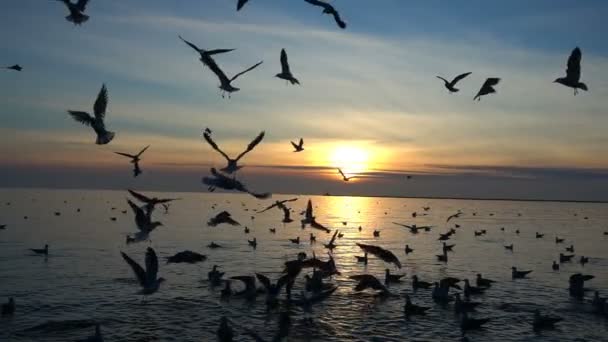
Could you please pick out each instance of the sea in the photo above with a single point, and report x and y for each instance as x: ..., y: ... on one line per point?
x: 84, y: 280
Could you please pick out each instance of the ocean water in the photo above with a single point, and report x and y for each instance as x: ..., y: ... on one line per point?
x: 85, y: 280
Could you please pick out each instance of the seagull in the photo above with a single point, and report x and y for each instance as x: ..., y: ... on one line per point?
x: 570, y: 249
x: 94, y: 338
x: 565, y: 258
x: 457, y: 215
x: 215, y: 276
x: 205, y: 57
x: 573, y: 73
x: 362, y: 259
x: 221, y: 181
x: 295, y: 241
x: 487, y: 88
x: 328, y: 9
x: 277, y: 204
x: 467, y: 323
x: 44, y: 250
x: 558, y: 240
x: 285, y: 73
x: 299, y: 147
x: 77, y: 9
x: 461, y: 306
x: 253, y: 243
x: 143, y: 220
x: 451, y: 85
x: 9, y: 307
x: 187, y: 257
x: 482, y: 282
x: 286, y: 215
x: 135, y: 159
x: 213, y: 245
x: 544, y: 322
x: 15, y: 67
x: 368, y: 281
x: 391, y: 278
x: 346, y: 179
x: 472, y: 290
x: 539, y: 235
x: 408, y: 250
x: 584, y: 260
x: 331, y: 245
x: 413, y: 309
x: 147, y: 278
x: 223, y: 217
x: 97, y: 122
x: 225, y: 82
x: 555, y: 266
x: 272, y: 290
x: 2, y: 226
x: 250, y: 291
x: 240, y: 4
x: 310, y: 219
x: 515, y: 274
x: 273, y: 230
x: 232, y: 163
x: 419, y: 284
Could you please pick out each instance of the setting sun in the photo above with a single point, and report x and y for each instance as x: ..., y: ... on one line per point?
x: 351, y: 160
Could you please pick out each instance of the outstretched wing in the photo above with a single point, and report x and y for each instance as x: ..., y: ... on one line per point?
x: 217, y: 51
x: 337, y: 17
x: 252, y: 144
x: 491, y: 82
x: 82, y: 117
x: 240, y: 4
x: 294, y: 145
x: 139, y: 196
x: 301, y: 142
x: 309, y: 209
x: 246, y: 71
x: 284, y: 62
x: 99, y: 108
x: 443, y: 79
x: 138, y: 270
x: 190, y: 44
x: 333, y: 238
x: 81, y: 5
x: 574, y: 65
x: 460, y: 77
x: 264, y: 280
x: 319, y: 3
x: 125, y: 154
x: 151, y: 264
x: 142, y: 151
x: 214, y: 145
x: 342, y: 173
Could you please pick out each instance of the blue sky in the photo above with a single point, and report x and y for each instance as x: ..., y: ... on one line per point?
x: 371, y: 86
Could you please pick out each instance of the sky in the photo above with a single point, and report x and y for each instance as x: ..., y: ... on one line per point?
x: 369, y: 101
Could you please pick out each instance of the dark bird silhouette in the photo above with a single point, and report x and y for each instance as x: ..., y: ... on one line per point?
x: 539, y: 235
x: 451, y: 85
x: 273, y: 230
x: 573, y: 72
x: 457, y: 215
x: 419, y: 284
x: 509, y: 248
x: 285, y: 73
x: 43, y: 251
x: 379, y: 252
x: 135, y: 159
x: 205, y: 57
x: 299, y: 147
x: 392, y: 278
x: 472, y: 290
x: 147, y: 278
x: 223, y: 217
x: 483, y: 282
x: 368, y: 281
x: 331, y: 245
x: 77, y: 9
x: 215, y: 276
x: 558, y: 240
x: 9, y: 307
x: 515, y: 274
x: 186, y: 257
x: 278, y: 204
x: 15, y: 67
x: 408, y: 250
x: 411, y: 309
x: 362, y: 259
x: 346, y: 179
x: 213, y: 245
x: 150, y: 202
x: 487, y: 88
x: 295, y: 241
x: 226, y: 83
x: 461, y: 306
x: 583, y: 260
x: 240, y: 4
x: 253, y: 243
x: 544, y: 322
x: 2, y: 226
x: 555, y: 266
x: 310, y: 219
x: 219, y: 180
x: 97, y: 122
x: 272, y: 289
x: 565, y: 258
x: 329, y: 9
x: 232, y: 163
x: 570, y: 249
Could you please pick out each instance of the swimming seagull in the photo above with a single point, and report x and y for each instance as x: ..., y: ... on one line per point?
x: 515, y: 274
x: 240, y: 4
x: 219, y: 180
x: 368, y: 281
x: 77, y: 9
x: 44, y: 251
x: 411, y: 309
x: 573, y: 73
x: 15, y: 67
x: 135, y: 159
x: 147, y: 278
x: 329, y: 9
x: 186, y: 257
x: 225, y: 82
x: 487, y: 88
x: 278, y: 204
x: 299, y: 147
x: 450, y: 85
x: 544, y: 322
x: 285, y: 73
x: 232, y: 163
x: 346, y: 179
x: 97, y: 122
x: 483, y: 282
x: 419, y: 284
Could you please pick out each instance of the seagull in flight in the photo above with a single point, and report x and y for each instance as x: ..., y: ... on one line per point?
x: 240, y: 4
x: 457, y: 215
x: 151, y: 202
x: 147, y: 278
x: 219, y: 180
x: 144, y: 223
x: 135, y: 159
x: 328, y: 9
x: 299, y: 147
x: 15, y: 67
x: 278, y: 204
x: 225, y: 82
x: 451, y: 85
x: 487, y: 88
x: 346, y: 179
x: 97, y: 122
x: 285, y: 72
x: 232, y: 163
x: 205, y: 55
x: 573, y: 73
x: 77, y: 9
x: 310, y: 219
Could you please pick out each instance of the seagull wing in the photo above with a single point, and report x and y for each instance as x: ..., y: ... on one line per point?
x: 190, y: 44
x: 214, y: 145
x: 246, y: 71
x: 142, y: 151
x: 264, y: 280
x: 81, y: 5
x: 216, y: 70
x: 574, y: 65
x: 284, y: 62
x: 151, y: 264
x: 267, y: 208
x: 218, y: 51
x: 459, y: 78
x: 381, y: 253
x: 402, y: 225
x: 333, y: 238
x: 342, y: 173
x: 126, y: 155
x: 240, y: 4
x: 301, y: 143
x: 491, y: 82
x: 294, y: 145
x: 252, y: 144
x: 82, y: 117
x: 443, y: 79
x: 309, y: 209
x: 138, y: 270
x: 139, y: 196
x: 99, y: 108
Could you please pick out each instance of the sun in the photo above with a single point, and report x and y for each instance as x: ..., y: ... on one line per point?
x: 352, y: 160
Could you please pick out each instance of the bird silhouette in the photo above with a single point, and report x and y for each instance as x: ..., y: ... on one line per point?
x: 573, y: 72
x: 15, y: 67
x: 218, y: 180
x: 487, y: 88
x: 77, y: 9
x: 205, y: 55
x: 135, y: 159
x: 450, y: 85
x: 96, y: 122
x: 299, y: 147
x: 147, y: 278
x: 240, y: 4
x: 329, y: 9
x: 344, y: 178
x: 232, y: 163
x: 285, y: 73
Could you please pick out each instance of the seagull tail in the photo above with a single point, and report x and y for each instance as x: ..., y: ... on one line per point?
x: 77, y: 20
x: 104, y: 138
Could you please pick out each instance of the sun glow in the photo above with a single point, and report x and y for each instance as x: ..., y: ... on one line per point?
x: 351, y: 160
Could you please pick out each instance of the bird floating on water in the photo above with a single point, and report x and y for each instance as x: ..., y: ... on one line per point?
x: 411, y: 309
x: 329, y: 9
x: 232, y: 163
x: 544, y: 322
x: 450, y: 85
x: 573, y: 72
x: 97, y: 121
x: 391, y: 278
x: 285, y: 73
x: 189, y: 257
x: 487, y: 88
x: 135, y: 159
x: 43, y: 251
